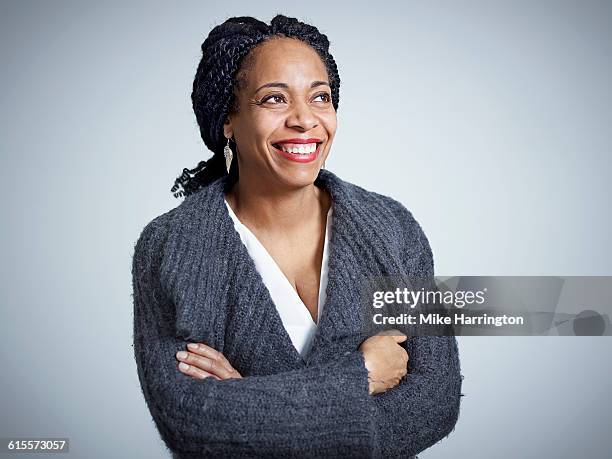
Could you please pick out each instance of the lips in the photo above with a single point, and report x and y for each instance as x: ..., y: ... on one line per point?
x: 298, y: 145
x: 299, y: 150
x: 300, y: 140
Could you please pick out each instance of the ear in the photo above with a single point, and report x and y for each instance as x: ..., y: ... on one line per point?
x: 228, y: 130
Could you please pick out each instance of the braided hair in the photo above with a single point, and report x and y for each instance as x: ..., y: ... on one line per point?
x: 226, y: 59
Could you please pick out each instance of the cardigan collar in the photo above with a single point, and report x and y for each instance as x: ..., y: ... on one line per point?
x: 212, y: 280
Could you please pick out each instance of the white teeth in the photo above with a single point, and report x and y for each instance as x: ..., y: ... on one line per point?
x: 303, y: 149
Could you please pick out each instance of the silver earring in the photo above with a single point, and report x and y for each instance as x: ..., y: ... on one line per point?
x: 229, y: 155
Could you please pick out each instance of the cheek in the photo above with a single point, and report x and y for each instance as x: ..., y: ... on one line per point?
x: 264, y: 124
x: 329, y: 122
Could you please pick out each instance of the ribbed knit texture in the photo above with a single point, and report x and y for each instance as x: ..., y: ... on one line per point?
x: 194, y: 281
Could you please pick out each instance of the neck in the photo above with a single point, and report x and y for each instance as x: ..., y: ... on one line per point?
x: 277, y: 209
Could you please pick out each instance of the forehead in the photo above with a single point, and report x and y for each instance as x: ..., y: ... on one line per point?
x: 286, y: 60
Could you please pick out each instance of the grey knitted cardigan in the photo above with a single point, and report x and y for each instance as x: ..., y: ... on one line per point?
x: 194, y: 281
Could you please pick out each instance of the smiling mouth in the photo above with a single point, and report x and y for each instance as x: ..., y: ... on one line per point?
x: 298, y: 149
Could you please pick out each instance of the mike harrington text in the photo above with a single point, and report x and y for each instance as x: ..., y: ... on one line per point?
x: 439, y: 319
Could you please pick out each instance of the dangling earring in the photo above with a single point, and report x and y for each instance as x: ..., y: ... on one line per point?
x: 229, y: 155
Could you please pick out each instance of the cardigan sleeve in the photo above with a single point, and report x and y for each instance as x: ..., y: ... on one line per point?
x: 424, y: 407
x: 318, y: 411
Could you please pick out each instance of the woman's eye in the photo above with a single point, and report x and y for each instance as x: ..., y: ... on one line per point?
x: 325, y: 97
x: 276, y: 98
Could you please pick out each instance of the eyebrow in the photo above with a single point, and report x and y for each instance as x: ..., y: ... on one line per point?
x: 278, y: 84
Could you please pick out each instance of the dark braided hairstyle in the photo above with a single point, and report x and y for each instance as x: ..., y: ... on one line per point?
x: 222, y: 70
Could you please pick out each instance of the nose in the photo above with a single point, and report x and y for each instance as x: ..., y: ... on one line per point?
x: 301, y: 116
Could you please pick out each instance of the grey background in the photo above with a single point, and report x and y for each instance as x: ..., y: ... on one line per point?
x: 489, y: 120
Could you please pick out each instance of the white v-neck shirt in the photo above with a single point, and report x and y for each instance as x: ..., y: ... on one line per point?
x: 293, y: 312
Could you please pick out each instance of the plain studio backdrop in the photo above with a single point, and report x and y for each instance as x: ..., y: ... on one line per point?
x: 489, y: 120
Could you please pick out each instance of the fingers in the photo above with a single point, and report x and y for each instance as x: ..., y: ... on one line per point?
x: 219, y: 364
x: 204, y: 361
x: 211, y: 353
x: 397, y: 335
x: 379, y: 386
x: 195, y: 372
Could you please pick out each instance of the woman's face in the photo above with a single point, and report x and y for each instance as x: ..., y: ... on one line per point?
x: 286, y: 122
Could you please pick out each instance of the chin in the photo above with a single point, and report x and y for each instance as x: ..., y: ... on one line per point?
x: 298, y: 177
x: 297, y: 170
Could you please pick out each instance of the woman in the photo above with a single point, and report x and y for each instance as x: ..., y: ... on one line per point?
x: 247, y: 334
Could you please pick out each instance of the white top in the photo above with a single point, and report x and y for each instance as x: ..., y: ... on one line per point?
x: 292, y: 310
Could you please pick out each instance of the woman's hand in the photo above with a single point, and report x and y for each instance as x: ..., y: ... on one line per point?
x: 201, y: 361
x: 385, y: 359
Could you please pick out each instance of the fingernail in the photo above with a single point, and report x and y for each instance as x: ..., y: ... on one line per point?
x: 183, y: 366
x: 181, y: 355
x: 193, y: 346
